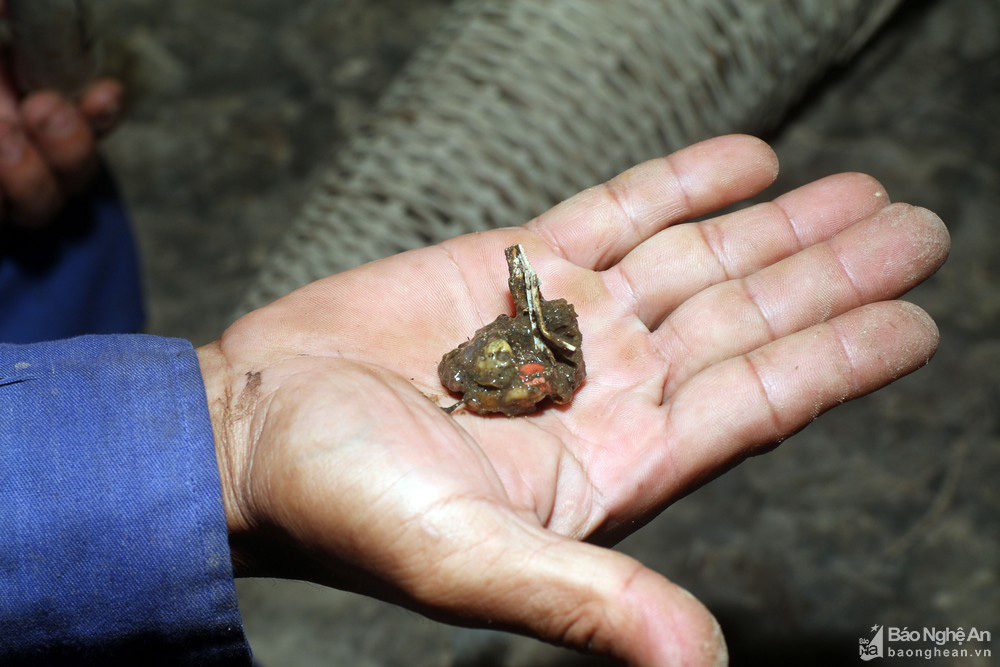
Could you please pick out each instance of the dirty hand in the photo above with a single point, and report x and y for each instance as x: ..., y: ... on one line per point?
x: 705, y: 343
x: 48, y: 147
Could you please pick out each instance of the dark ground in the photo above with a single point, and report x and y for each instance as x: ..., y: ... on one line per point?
x: 883, y: 512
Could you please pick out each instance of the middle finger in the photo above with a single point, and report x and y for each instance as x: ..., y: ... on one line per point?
x: 874, y: 260
x: 677, y: 263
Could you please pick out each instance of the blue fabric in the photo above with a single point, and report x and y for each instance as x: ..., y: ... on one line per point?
x: 113, y: 542
x: 78, y: 275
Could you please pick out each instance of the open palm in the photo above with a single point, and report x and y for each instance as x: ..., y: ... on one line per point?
x: 704, y: 342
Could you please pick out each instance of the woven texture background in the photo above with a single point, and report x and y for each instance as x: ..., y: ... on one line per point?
x: 513, y: 106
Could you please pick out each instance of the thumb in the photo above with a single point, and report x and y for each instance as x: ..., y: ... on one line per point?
x: 584, y: 597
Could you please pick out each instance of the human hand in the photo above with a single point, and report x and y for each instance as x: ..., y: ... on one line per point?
x: 48, y: 147
x: 705, y: 343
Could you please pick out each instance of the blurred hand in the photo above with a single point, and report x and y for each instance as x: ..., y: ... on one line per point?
x: 48, y: 147
x: 705, y: 343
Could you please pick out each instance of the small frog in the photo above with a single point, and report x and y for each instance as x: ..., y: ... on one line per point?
x: 513, y: 364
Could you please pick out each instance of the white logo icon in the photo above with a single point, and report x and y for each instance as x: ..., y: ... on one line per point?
x: 871, y: 647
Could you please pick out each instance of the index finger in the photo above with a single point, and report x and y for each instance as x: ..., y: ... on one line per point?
x: 599, y: 226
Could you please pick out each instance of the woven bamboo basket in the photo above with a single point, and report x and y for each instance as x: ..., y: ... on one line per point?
x: 513, y: 105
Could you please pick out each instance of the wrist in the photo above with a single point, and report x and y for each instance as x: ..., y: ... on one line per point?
x: 230, y: 418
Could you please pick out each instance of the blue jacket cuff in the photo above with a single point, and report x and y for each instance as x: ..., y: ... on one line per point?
x: 114, y: 545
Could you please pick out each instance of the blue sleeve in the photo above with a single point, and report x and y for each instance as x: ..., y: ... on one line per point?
x: 113, y: 543
x: 77, y: 275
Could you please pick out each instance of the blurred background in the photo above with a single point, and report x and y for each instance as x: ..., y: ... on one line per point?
x: 882, y: 512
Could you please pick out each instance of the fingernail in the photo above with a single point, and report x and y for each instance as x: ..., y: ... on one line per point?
x: 12, y: 144
x: 60, y: 124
